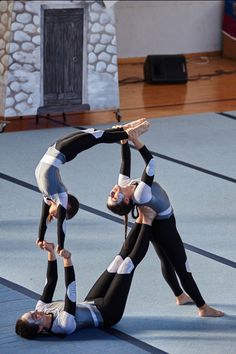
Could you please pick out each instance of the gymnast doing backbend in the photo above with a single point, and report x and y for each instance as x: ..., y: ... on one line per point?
x: 57, y: 203
x: 166, y: 240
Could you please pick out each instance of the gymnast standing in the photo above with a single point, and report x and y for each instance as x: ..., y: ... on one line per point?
x: 105, y: 303
x: 166, y: 240
x: 57, y: 203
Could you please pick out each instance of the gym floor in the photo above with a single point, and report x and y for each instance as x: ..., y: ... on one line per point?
x: 195, y: 163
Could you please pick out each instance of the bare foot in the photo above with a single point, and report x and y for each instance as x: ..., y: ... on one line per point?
x: 183, y: 299
x: 134, y: 123
x: 129, y: 125
x: 207, y: 311
x: 136, y: 131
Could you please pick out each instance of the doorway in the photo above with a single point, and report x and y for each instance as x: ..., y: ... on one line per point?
x: 62, y: 61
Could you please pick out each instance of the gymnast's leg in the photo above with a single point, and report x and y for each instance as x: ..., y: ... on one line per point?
x: 112, y: 305
x: 171, y: 243
x: 169, y: 274
x: 102, y: 284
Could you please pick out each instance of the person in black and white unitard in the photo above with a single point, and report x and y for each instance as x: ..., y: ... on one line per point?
x: 166, y: 240
x: 105, y: 303
x: 57, y: 203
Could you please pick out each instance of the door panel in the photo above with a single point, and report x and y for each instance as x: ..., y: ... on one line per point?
x: 73, y: 62
x: 63, y: 56
x: 53, y: 63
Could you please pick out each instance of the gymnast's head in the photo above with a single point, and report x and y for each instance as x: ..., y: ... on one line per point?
x: 71, y: 211
x: 120, y: 199
x: 33, y: 323
x: 73, y: 207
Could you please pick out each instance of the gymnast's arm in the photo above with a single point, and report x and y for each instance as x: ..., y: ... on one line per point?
x: 66, y: 320
x: 143, y: 192
x: 70, y: 284
x: 125, y: 167
x: 51, y: 275
x: 43, y: 223
x: 61, y: 227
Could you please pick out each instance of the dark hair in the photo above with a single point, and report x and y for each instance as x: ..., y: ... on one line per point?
x: 73, y: 206
x: 120, y: 208
x: 26, y: 330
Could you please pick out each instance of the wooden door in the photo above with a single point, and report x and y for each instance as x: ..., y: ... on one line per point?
x: 63, y: 57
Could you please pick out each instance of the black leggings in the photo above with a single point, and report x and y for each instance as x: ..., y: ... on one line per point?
x: 169, y: 247
x: 167, y: 268
x: 111, y: 290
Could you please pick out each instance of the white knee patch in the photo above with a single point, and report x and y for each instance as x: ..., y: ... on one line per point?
x: 150, y: 169
x: 126, y: 267
x: 71, y: 291
x: 187, y: 267
x: 113, y: 267
x: 96, y: 133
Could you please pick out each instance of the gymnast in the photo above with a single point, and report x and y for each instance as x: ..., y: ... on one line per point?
x: 166, y: 240
x: 105, y: 303
x: 57, y: 203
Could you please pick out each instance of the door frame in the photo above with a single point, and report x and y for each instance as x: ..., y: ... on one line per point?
x: 84, y: 6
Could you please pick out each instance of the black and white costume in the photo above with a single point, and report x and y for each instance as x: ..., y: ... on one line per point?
x: 48, y: 175
x: 166, y: 239
x: 105, y: 303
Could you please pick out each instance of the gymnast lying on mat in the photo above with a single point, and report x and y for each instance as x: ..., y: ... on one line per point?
x: 166, y: 240
x: 105, y: 303
x: 57, y: 203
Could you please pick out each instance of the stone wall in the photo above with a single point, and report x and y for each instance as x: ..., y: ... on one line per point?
x: 5, y: 37
x: 20, y: 56
x: 103, y: 90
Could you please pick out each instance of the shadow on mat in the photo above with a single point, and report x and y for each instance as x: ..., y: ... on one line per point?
x: 88, y: 334
x: 134, y: 326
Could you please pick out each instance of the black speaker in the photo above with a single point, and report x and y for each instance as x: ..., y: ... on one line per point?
x: 160, y: 69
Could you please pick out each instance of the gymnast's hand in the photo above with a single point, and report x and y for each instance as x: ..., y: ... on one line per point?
x: 50, y: 248
x: 39, y: 244
x: 65, y: 253
x: 47, y: 246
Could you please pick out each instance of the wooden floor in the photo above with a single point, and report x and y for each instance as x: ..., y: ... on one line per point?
x: 211, y: 87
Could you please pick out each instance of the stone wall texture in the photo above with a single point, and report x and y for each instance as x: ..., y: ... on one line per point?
x: 5, y: 37
x: 20, y: 42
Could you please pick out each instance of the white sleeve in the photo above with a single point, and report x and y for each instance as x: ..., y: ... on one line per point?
x: 61, y: 198
x: 95, y: 132
x: 41, y: 306
x: 123, y: 180
x: 65, y: 323
x: 143, y: 193
x: 46, y: 201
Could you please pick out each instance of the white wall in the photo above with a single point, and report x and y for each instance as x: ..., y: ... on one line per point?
x: 168, y: 27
